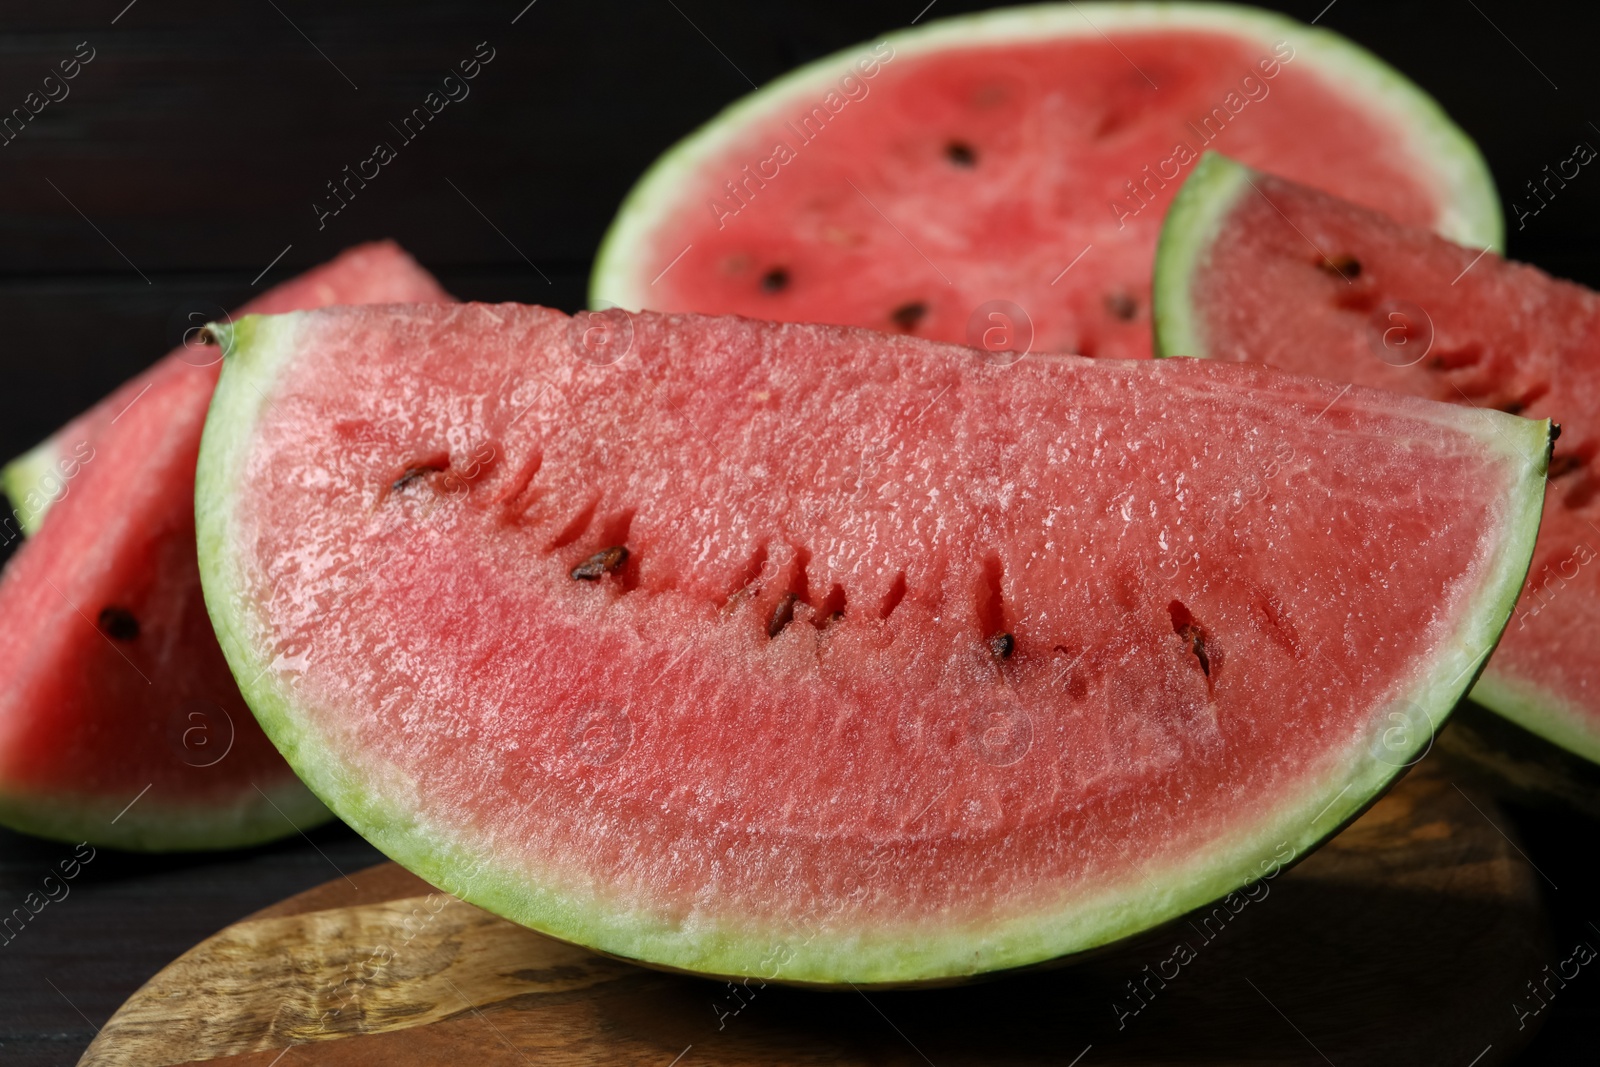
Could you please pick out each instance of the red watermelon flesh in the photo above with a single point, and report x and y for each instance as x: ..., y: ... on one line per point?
x: 827, y: 655
x: 116, y: 691
x: 1256, y: 267
x: 1024, y: 157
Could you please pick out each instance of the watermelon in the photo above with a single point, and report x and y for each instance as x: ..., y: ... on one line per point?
x: 377, y: 272
x: 999, y: 179
x: 825, y: 655
x: 1256, y: 267
x: 120, y: 724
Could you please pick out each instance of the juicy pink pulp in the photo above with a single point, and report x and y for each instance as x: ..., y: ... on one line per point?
x: 1316, y: 285
x: 114, y: 679
x: 1001, y: 173
x: 1018, y: 632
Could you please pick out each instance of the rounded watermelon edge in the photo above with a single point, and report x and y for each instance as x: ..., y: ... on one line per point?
x: 1471, y: 205
x: 258, y: 346
x: 146, y: 825
x: 1203, y: 201
x: 1538, y: 713
x: 1192, y: 222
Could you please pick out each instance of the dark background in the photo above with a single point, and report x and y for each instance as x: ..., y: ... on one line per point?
x: 191, y: 149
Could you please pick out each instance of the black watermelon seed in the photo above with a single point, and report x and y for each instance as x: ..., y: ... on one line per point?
x: 906, y: 316
x: 1002, y: 645
x: 118, y: 624
x: 1122, y: 306
x: 1346, y: 267
x: 775, y: 280
x: 606, y: 561
x: 961, y: 154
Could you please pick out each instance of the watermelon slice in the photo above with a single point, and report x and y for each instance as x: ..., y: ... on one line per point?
x: 824, y: 655
x: 1256, y: 267
x: 119, y: 721
x: 999, y: 179
x: 375, y: 273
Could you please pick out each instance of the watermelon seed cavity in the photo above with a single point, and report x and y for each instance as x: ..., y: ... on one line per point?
x: 420, y: 469
x: 754, y: 571
x: 1002, y: 645
x: 832, y: 609
x: 1192, y: 633
x: 576, y: 528
x: 990, y: 605
x: 782, y: 614
x: 896, y: 593
x: 1457, y: 358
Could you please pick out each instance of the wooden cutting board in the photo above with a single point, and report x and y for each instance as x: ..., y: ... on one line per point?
x: 1403, y: 941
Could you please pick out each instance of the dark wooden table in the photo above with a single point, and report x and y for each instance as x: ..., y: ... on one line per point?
x: 191, y: 148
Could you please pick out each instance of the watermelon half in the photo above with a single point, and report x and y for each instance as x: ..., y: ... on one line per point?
x: 999, y: 179
x: 829, y: 656
x: 1256, y: 267
x: 119, y: 721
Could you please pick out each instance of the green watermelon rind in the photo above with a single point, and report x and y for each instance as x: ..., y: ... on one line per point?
x: 23, y: 475
x: 1468, y: 204
x: 145, y: 824
x: 1197, y: 214
x: 1206, y: 198
x: 1539, y: 712
x: 381, y: 802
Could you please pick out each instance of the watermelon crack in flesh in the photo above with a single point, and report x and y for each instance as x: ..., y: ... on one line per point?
x: 120, y: 723
x: 824, y: 655
x: 1255, y: 267
x: 1017, y: 163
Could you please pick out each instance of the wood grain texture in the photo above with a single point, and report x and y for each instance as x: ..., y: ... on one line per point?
x: 1404, y: 940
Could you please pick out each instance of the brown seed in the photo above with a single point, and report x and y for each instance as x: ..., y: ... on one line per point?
x: 1122, y: 306
x: 1002, y: 645
x: 606, y: 561
x: 782, y: 614
x: 118, y: 624
x: 906, y: 316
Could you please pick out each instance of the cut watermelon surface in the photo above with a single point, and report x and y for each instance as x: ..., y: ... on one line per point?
x: 824, y: 655
x: 119, y: 721
x: 999, y: 179
x: 1255, y: 267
